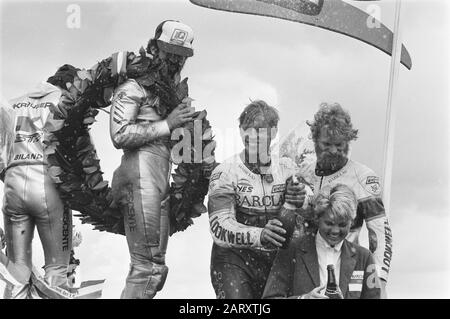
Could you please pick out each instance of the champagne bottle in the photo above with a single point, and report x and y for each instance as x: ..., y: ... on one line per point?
x: 288, y: 217
x: 332, y: 287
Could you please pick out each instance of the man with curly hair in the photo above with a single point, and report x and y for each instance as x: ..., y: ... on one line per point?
x: 332, y: 131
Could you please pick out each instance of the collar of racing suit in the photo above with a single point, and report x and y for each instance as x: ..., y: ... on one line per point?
x: 327, y: 171
x: 255, y: 168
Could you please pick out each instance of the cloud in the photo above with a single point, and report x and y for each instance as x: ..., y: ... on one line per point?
x: 224, y: 93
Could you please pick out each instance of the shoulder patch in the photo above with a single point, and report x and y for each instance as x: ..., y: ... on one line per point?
x: 372, y: 180
x: 372, y: 185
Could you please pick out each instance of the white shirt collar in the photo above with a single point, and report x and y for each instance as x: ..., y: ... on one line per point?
x: 322, y: 243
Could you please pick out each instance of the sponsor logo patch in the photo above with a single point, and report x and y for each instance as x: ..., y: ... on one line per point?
x: 356, y: 281
x: 357, y: 275
x: 375, y: 188
x: 29, y: 156
x: 178, y: 37
x: 30, y: 138
x: 372, y: 180
x: 215, y: 176
x: 33, y: 106
x: 372, y: 185
x: 245, y: 188
x: 278, y: 188
x: 65, y: 230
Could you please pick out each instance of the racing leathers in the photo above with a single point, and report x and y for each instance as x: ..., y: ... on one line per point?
x: 6, y: 136
x: 240, y: 204
x: 141, y: 184
x: 366, y: 186
x: 30, y: 197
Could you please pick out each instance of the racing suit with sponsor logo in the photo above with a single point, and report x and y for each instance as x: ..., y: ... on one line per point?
x: 140, y: 185
x: 30, y: 197
x: 240, y: 205
x: 366, y: 185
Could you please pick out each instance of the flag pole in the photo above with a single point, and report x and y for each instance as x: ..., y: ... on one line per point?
x: 391, y: 111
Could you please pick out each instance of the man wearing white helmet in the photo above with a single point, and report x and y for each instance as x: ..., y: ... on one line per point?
x: 141, y: 183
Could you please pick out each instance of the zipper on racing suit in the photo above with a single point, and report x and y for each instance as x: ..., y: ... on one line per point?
x: 264, y: 195
x: 266, y: 254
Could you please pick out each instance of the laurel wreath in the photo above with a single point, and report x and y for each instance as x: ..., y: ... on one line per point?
x: 73, y: 163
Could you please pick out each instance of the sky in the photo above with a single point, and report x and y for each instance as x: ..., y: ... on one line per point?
x: 295, y: 67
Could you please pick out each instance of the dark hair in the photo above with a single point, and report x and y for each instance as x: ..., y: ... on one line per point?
x: 64, y: 74
x: 256, y: 108
x: 335, y: 119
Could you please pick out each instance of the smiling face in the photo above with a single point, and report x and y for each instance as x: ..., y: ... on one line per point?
x: 331, y: 150
x: 332, y: 229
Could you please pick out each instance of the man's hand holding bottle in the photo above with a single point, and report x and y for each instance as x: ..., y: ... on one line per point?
x: 278, y: 231
x: 295, y: 193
